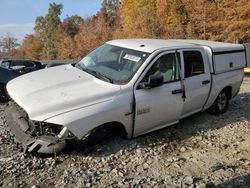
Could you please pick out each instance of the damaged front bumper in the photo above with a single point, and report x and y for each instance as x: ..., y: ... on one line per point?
x: 25, y: 133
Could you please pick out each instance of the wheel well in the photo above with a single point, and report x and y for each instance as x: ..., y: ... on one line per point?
x: 228, y: 90
x: 115, y: 129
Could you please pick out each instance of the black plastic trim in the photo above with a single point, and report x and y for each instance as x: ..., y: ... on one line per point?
x: 245, y: 54
x: 228, y: 52
x: 205, y: 82
x: 134, y: 114
x: 177, y: 91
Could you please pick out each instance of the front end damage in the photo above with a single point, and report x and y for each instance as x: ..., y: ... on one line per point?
x: 35, y: 136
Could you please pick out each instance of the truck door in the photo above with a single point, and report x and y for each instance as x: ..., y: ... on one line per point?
x: 159, y: 106
x: 197, y: 80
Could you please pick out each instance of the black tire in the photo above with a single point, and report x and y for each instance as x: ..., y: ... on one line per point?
x: 95, y: 136
x: 220, y: 105
x: 4, y: 97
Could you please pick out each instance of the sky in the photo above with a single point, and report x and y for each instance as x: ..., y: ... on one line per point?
x: 17, y: 17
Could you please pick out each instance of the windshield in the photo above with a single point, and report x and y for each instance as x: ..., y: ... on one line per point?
x: 112, y: 63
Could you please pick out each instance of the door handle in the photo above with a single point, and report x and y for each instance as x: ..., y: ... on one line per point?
x: 205, y: 82
x: 177, y: 91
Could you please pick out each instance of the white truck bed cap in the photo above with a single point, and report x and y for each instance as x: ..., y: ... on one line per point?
x: 216, y: 46
x: 150, y: 45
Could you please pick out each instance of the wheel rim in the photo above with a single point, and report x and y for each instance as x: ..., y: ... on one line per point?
x: 222, y: 101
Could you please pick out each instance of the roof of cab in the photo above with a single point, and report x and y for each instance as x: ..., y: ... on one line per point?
x: 150, y: 45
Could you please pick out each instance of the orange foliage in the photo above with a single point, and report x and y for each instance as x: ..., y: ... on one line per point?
x: 32, y: 47
x: 64, y: 44
x: 93, y: 32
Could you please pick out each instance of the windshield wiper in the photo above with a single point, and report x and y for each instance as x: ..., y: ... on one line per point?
x: 79, y: 66
x: 101, y: 76
x: 94, y: 73
x: 98, y: 75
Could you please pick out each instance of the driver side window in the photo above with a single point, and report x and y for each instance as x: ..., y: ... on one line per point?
x: 167, y: 66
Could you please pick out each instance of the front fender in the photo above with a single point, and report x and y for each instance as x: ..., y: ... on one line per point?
x: 81, y: 121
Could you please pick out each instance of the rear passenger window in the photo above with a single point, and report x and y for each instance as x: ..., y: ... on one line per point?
x: 193, y: 62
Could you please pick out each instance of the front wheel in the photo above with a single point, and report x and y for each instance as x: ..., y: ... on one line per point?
x: 95, y: 136
x: 220, y: 105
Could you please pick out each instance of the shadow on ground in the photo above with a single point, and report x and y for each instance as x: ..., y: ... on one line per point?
x: 238, y: 182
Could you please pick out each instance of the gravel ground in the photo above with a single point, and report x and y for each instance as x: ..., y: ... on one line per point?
x: 201, y: 151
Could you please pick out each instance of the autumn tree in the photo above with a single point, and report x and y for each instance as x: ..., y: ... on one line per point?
x: 64, y: 42
x: 139, y: 18
x: 111, y: 7
x: 45, y: 28
x: 173, y: 18
x: 32, y: 47
x: 72, y: 25
x: 236, y: 22
x: 220, y: 20
x: 40, y: 28
x: 93, y: 32
x: 15, y: 53
x: 65, y: 45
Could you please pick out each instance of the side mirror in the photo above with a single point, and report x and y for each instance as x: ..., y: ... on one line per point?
x: 153, y: 81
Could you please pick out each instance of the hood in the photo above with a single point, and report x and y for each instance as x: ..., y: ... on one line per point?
x: 49, y: 92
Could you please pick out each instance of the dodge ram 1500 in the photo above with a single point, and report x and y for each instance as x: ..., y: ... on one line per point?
x: 137, y: 85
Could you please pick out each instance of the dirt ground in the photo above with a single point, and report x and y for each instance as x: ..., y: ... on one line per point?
x: 201, y: 151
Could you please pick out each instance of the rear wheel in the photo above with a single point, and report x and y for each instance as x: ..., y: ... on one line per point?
x: 220, y: 105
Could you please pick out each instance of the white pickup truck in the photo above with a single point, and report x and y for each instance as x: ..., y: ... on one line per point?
x: 136, y: 85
